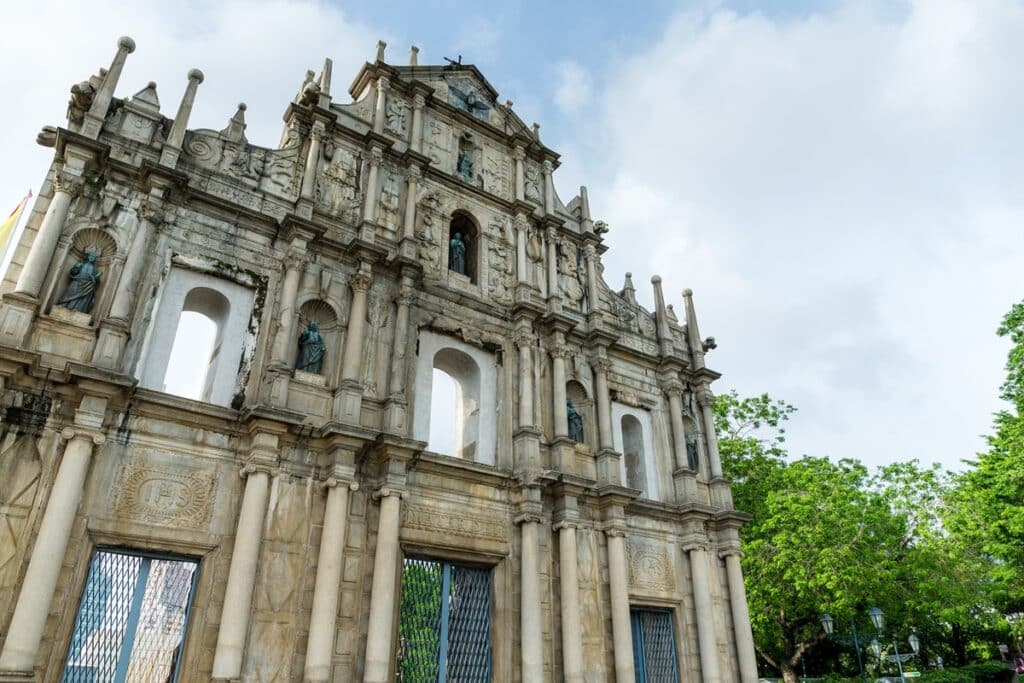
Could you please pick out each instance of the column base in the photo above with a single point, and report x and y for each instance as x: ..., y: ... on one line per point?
x: 396, y: 418
x: 563, y: 454
x: 348, y: 402
x: 368, y: 231
x: 407, y: 250
x: 686, y: 485
x: 279, y: 375
x: 526, y: 448
x: 608, y: 466
x: 113, y: 336
x: 17, y: 676
x: 721, y: 493
x: 16, y: 314
x: 304, y: 209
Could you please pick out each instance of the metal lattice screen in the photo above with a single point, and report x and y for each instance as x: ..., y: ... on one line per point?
x: 654, y: 646
x: 131, y: 620
x: 444, y: 628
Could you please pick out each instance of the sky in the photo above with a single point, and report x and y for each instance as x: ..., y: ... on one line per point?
x: 839, y: 182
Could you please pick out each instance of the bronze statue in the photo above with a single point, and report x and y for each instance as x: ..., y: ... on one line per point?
x: 457, y: 254
x: 691, y: 453
x: 575, y: 422
x: 311, y: 350
x: 82, y: 282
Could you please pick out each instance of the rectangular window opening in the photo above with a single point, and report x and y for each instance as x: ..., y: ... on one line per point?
x: 654, y: 646
x: 444, y: 628
x: 132, y: 618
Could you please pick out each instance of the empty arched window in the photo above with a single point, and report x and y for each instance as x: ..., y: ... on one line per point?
x: 463, y: 238
x: 199, y: 334
x: 633, y: 454
x: 455, y: 405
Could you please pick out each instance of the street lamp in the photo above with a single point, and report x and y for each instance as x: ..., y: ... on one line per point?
x: 1016, y: 621
x: 878, y: 621
x: 828, y: 625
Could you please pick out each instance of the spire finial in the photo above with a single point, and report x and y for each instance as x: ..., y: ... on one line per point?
x: 414, y: 55
x: 381, y: 46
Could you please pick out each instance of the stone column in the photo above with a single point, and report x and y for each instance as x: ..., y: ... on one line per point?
x: 549, y: 189
x: 559, y: 410
x: 97, y: 113
x: 172, y: 147
x: 416, y: 130
x: 380, y: 110
x: 524, y: 340
x: 379, y: 650
x: 234, y: 618
x: 323, y: 621
x: 65, y: 187
x: 409, y: 219
x: 740, y: 616
x: 405, y: 298
x: 316, y: 135
x: 522, y: 237
x: 286, y: 309
x: 572, y: 645
x: 593, y: 297
x: 375, y: 157
x: 706, y: 399
x: 519, y: 154
x: 709, y: 666
x: 553, y: 292
x: 150, y: 217
x: 674, y: 389
x: 618, y: 586
x: 353, y: 354
x: 40, y: 582
x: 532, y: 659
x: 604, y: 402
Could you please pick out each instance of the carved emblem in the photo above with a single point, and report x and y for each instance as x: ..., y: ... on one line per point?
x: 649, y: 567
x: 166, y: 496
x: 463, y: 522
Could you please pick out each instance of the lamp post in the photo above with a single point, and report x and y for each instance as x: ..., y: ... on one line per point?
x: 878, y: 621
x: 1016, y: 621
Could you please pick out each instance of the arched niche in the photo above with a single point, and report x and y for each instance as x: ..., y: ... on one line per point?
x: 464, y: 225
x: 187, y: 298
x: 464, y: 379
x: 81, y: 243
x: 577, y: 394
x: 326, y: 318
x: 632, y: 431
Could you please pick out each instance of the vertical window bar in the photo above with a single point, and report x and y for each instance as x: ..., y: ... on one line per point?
x: 639, y: 667
x: 446, y: 598
x: 133, y: 621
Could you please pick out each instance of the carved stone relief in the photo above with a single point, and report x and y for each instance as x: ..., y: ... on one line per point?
x: 570, y: 277
x: 396, y: 111
x: 534, y: 191
x: 497, y: 173
x: 649, y: 567
x: 428, y: 232
x: 20, y: 466
x: 337, y: 191
x: 168, y: 496
x: 499, y: 261
x: 281, y: 176
x: 388, y: 204
x: 378, y: 315
x: 462, y: 522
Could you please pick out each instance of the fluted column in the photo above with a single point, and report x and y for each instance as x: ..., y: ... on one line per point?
x: 740, y: 616
x: 286, y: 310
x: 706, y: 399
x: 618, y: 586
x: 40, y: 582
x: 560, y: 428
x: 604, y: 403
x: 416, y: 132
x: 519, y: 155
x: 379, y: 650
x: 234, y: 618
x: 405, y: 298
x: 553, y: 291
x: 150, y: 217
x: 316, y: 135
x: 380, y: 110
x: 409, y: 219
x: 572, y: 645
x: 97, y: 113
x: 709, y: 666
x: 674, y: 389
x: 524, y: 340
x: 323, y: 621
x: 66, y: 187
x: 172, y: 147
x: 375, y: 157
x: 352, y: 358
x: 532, y: 660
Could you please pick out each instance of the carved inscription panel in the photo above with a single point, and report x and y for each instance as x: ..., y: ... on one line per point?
x: 465, y: 522
x: 649, y: 567
x: 163, y: 495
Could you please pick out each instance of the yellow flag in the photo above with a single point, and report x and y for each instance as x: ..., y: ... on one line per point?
x: 7, y: 227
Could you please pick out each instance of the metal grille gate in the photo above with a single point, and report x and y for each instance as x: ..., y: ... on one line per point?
x: 131, y: 620
x: 444, y: 628
x: 654, y: 646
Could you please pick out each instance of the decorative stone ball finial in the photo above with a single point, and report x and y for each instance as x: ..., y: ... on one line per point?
x: 126, y: 43
x: 687, y: 292
x: 655, y: 279
x: 195, y: 75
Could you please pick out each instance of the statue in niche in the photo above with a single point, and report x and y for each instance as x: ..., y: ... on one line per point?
x: 691, y: 453
x: 464, y: 165
x: 457, y: 254
x: 311, y: 350
x: 575, y: 422
x: 82, y: 282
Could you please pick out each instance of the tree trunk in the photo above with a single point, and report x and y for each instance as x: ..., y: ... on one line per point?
x: 789, y: 673
x: 959, y: 645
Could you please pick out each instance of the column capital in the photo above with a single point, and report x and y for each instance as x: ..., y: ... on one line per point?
x: 254, y: 467
x: 96, y: 436
x: 730, y: 550
x: 518, y: 153
x: 360, y: 281
x: 552, y: 233
x: 589, y: 250
x: 406, y: 296
x: 559, y: 351
x: 384, y: 83
x: 672, y: 387
x: 152, y: 211
x: 333, y: 482
x: 522, y: 223
x: 374, y: 155
x: 386, y: 491
x: 419, y: 101
x: 523, y: 338
x: 705, y: 398
x: 414, y: 172
x: 548, y: 167
x: 529, y: 518
x: 68, y: 183
x: 600, y: 364
x: 565, y: 524
x: 692, y: 543
x: 615, y: 532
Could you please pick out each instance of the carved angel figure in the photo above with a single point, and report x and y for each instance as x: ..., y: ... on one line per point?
x: 468, y: 100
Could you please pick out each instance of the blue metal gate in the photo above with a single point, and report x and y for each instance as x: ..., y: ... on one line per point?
x: 132, y: 618
x: 444, y: 627
x: 654, y: 646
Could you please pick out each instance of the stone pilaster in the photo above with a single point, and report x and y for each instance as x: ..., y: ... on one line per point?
x: 374, y: 158
x: 396, y: 412
x: 704, y: 608
x: 36, y: 595
x: 518, y: 156
x: 522, y: 226
x: 307, y: 191
x: 416, y: 129
x: 549, y: 188
x: 593, y: 297
x: 66, y: 186
x: 554, y: 294
x: 618, y: 586
x: 530, y: 626
x: 607, y: 457
x: 413, y: 177
x: 285, y: 328
x: 380, y: 108
x: 379, y: 650
x: 740, y: 615
x: 569, y: 587
x: 351, y: 392
x: 705, y: 399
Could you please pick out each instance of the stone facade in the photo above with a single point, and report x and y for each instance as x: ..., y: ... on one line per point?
x: 299, y: 492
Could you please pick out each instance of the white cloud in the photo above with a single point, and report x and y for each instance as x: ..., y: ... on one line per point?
x: 841, y: 192
x: 573, y: 87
